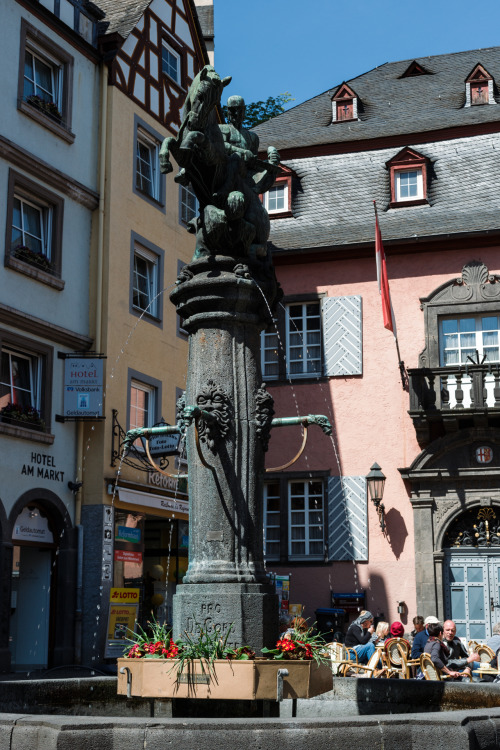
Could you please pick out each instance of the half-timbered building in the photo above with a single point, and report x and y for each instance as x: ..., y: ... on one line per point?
x: 421, y: 138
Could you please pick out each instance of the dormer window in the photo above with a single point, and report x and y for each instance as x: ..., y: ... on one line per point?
x: 344, y: 104
x: 415, y: 69
x: 278, y: 200
x: 408, y: 175
x: 479, y: 87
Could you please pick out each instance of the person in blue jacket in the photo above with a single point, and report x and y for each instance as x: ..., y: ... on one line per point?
x: 421, y: 638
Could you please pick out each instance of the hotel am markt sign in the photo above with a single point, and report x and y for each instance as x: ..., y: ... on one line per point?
x: 83, y: 387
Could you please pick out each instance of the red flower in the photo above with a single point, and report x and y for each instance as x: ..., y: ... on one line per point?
x: 285, y: 645
x: 135, y: 652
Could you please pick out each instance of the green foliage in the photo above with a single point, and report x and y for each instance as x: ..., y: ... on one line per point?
x: 258, y: 112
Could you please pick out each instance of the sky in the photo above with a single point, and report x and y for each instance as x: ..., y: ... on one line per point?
x: 305, y: 47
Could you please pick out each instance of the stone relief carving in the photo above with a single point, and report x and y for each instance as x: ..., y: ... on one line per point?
x: 264, y: 413
x: 215, y: 401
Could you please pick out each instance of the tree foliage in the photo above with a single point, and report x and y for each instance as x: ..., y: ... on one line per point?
x: 258, y: 112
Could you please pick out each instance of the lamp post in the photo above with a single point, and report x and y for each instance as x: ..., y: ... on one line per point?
x: 375, y: 481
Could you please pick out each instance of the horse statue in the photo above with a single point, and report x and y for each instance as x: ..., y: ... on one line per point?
x: 225, y: 174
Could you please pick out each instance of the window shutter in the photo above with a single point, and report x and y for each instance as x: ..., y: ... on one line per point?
x: 347, y: 519
x: 342, y: 335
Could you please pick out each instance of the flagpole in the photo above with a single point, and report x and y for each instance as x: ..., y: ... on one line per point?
x: 381, y: 261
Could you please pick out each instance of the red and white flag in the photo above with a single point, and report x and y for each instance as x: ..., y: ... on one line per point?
x: 383, y: 281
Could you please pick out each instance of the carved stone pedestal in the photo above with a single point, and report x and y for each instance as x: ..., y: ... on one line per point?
x: 222, y: 302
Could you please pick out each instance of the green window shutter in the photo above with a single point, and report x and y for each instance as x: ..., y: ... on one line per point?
x: 342, y: 335
x: 347, y: 519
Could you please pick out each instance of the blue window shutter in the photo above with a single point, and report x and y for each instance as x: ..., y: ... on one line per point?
x: 347, y: 519
x: 342, y: 335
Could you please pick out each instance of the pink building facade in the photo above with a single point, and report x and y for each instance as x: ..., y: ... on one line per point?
x: 431, y: 165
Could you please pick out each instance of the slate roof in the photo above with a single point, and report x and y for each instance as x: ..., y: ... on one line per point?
x: 390, y: 104
x: 332, y: 194
x: 122, y: 15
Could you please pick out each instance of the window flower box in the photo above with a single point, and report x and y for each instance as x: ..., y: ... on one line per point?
x: 20, y: 416
x: 222, y: 679
x: 49, y: 108
x: 39, y: 260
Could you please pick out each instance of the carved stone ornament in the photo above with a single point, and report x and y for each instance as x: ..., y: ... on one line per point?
x: 443, y: 507
x: 214, y: 400
x: 264, y: 413
x: 475, y: 528
x: 179, y: 414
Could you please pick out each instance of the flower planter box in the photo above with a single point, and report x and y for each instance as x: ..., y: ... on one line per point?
x: 227, y: 680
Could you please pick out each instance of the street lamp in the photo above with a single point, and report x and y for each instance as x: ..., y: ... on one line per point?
x: 375, y: 481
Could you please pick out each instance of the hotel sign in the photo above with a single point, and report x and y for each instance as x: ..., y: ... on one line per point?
x: 83, y: 387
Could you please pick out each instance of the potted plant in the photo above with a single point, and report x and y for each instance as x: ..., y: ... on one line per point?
x: 50, y: 108
x: 27, y: 255
x: 22, y: 416
x: 206, y: 667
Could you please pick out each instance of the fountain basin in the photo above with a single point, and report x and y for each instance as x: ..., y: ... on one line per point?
x: 224, y: 680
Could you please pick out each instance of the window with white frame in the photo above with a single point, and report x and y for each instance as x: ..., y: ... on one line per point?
x: 409, y: 185
x: 272, y: 520
x: 145, y: 281
x: 45, y: 81
x: 42, y: 79
x: 170, y: 63
x: 20, y: 379
x: 147, y: 171
x: 306, y: 519
x: 142, y: 407
x: 32, y: 229
x: 188, y: 203
x: 276, y: 199
x: 303, y: 339
x: 475, y: 338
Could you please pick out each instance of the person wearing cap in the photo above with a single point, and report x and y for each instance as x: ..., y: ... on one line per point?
x: 358, y: 637
x: 421, y: 638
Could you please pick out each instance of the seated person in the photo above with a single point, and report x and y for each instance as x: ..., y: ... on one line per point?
x: 440, y: 654
x: 397, y: 631
x: 358, y: 637
x: 380, y: 633
x: 422, y: 637
x: 494, y: 642
x: 418, y: 626
x: 455, y: 646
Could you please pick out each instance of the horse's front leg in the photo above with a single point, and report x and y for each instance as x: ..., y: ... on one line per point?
x: 165, y: 163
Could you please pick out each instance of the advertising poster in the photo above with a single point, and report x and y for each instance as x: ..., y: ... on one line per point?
x: 121, y: 618
x: 282, y: 586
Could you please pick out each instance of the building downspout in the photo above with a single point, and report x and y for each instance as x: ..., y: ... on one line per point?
x: 97, y: 347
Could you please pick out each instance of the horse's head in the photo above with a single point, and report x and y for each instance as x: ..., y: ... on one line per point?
x: 204, y: 93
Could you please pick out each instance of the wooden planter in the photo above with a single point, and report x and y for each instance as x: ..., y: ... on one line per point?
x: 227, y: 680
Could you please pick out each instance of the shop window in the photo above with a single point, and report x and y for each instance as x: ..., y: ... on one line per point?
x: 25, y: 383
x: 312, y: 338
x: 479, y: 87
x: 34, y: 229
x: 344, y: 104
x: 408, y: 172
x: 45, y: 81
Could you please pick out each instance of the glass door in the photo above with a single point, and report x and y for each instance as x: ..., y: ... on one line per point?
x: 467, y: 597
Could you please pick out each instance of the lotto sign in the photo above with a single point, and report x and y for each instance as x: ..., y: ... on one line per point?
x: 484, y: 455
x: 118, y: 596
x: 123, y: 555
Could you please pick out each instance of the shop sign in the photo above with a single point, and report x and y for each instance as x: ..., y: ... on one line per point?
x: 167, y: 483
x: 124, y: 555
x: 31, y: 526
x: 122, y: 616
x: 126, y: 534
x: 164, y: 445
x: 124, y: 595
x: 153, y: 501
x: 83, y: 387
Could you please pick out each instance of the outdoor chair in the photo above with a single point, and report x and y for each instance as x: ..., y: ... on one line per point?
x: 372, y: 669
x: 431, y: 672
x: 340, y: 658
x: 486, y: 654
x: 397, y: 655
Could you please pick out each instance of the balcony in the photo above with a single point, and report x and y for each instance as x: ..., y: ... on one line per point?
x: 446, y: 399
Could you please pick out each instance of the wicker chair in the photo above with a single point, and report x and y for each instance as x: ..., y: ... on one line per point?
x: 397, y: 657
x: 486, y: 654
x: 372, y: 669
x: 341, y: 658
x: 429, y: 670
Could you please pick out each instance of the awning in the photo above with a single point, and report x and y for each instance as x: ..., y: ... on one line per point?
x: 158, y: 505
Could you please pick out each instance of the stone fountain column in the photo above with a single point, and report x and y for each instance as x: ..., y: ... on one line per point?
x: 224, y: 311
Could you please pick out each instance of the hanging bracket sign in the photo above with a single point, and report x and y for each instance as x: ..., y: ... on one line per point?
x: 83, y: 387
